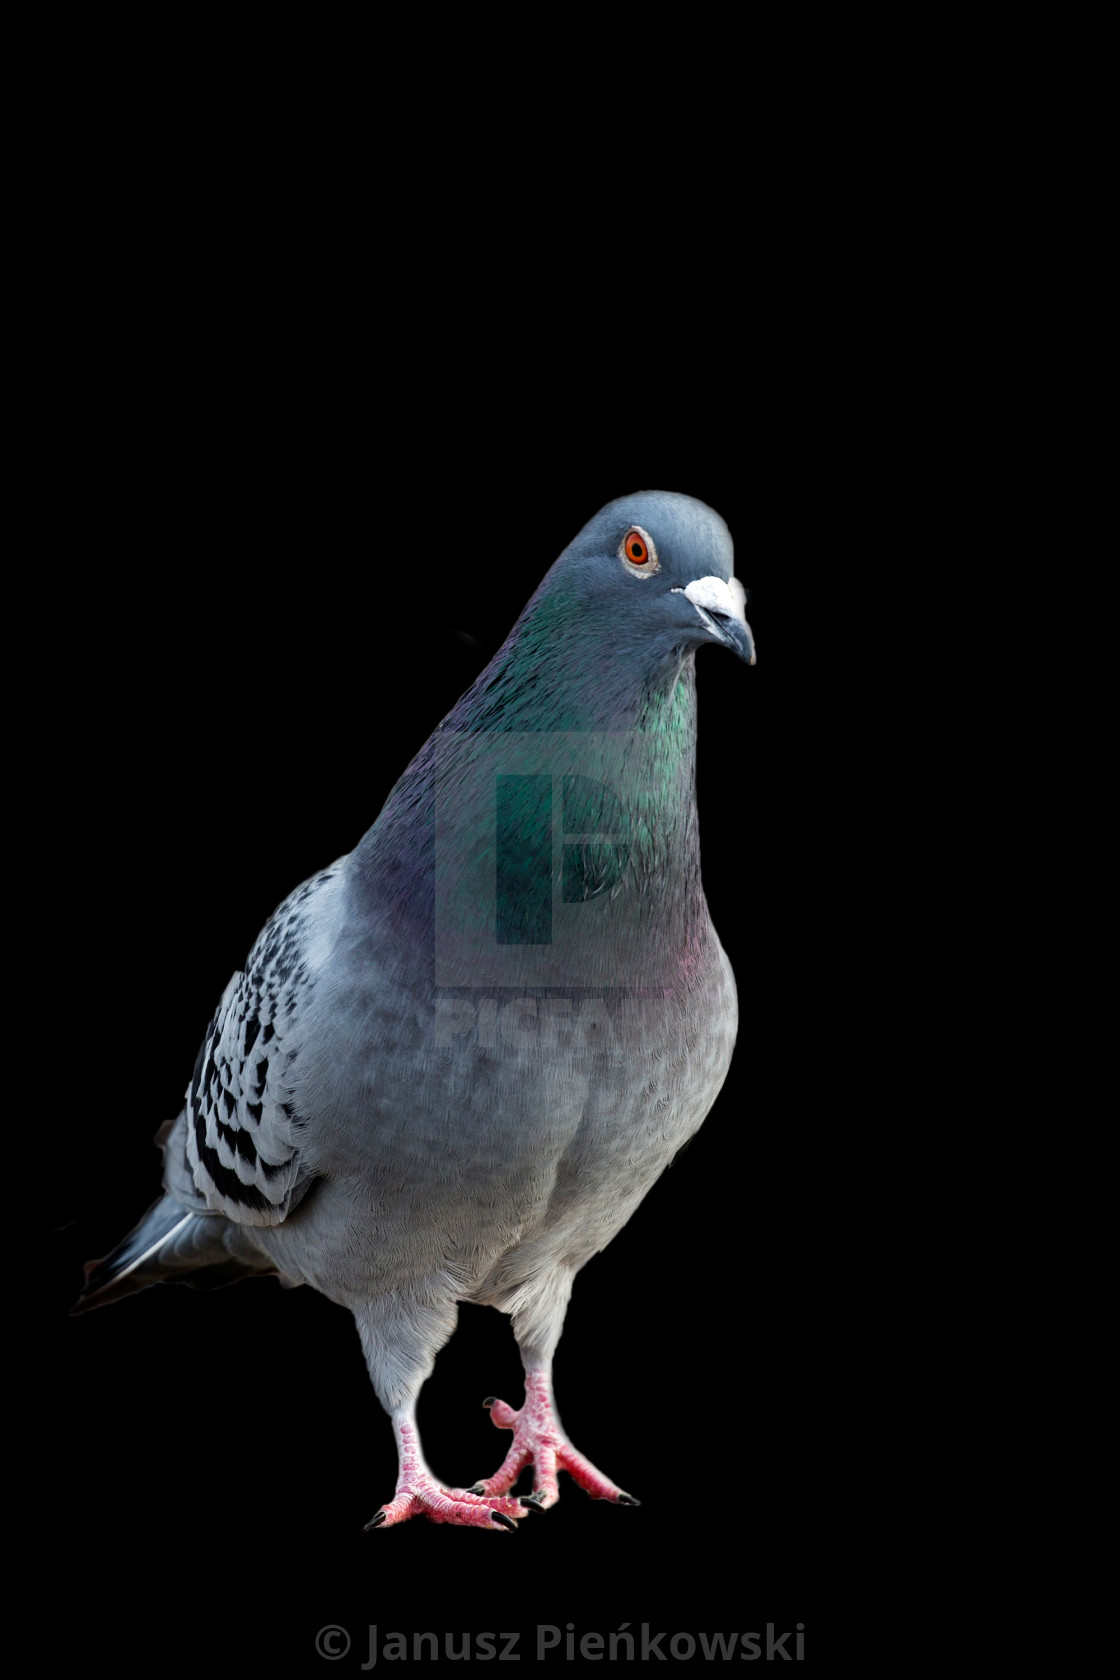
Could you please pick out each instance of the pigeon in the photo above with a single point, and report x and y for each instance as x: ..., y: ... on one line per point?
x: 458, y: 1058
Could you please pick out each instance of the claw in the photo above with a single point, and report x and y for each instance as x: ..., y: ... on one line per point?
x: 476, y: 1487
x: 506, y: 1522
x: 538, y: 1440
x: 375, y: 1521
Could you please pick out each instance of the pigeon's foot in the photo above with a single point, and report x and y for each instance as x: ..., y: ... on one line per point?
x: 420, y: 1495
x: 538, y: 1440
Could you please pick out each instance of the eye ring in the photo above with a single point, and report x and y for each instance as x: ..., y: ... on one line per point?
x: 637, y: 552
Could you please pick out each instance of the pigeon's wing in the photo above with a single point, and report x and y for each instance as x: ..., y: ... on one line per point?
x: 242, y: 1132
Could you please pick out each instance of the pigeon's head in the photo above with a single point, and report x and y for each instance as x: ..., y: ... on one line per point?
x: 656, y: 570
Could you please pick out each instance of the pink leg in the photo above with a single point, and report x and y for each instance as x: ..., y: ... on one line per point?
x: 419, y: 1494
x: 539, y: 1440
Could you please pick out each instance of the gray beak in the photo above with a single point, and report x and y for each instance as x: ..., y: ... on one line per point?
x: 735, y: 634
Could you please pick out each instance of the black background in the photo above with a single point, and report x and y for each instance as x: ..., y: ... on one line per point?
x: 288, y: 586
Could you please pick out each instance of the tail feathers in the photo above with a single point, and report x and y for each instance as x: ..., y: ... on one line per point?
x: 169, y: 1245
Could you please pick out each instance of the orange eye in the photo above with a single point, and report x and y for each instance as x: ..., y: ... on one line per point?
x: 635, y: 548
